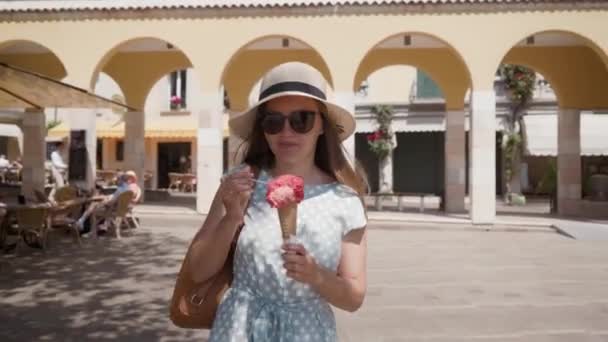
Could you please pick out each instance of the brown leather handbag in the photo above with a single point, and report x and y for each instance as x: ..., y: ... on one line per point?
x: 194, y: 305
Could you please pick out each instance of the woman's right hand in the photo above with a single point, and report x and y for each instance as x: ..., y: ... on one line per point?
x: 235, y: 191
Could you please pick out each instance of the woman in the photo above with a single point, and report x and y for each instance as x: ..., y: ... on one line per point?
x: 283, y: 291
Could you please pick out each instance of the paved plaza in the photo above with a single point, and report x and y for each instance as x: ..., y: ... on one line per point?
x: 439, y: 282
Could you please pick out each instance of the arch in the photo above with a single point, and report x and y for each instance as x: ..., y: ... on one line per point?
x: 442, y: 62
x: 32, y: 56
x: 239, y: 75
x: 576, y: 67
x: 398, y: 74
x: 136, y: 78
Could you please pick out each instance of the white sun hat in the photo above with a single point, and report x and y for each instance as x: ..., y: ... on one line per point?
x: 294, y: 78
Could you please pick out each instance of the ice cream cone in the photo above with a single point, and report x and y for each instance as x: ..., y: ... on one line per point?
x: 288, y: 218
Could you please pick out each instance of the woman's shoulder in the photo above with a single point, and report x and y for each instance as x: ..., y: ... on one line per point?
x: 346, y: 191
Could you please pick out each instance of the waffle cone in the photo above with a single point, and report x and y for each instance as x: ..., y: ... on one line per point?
x: 288, y: 218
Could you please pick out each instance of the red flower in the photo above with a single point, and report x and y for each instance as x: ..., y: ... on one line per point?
x: 372, y: 137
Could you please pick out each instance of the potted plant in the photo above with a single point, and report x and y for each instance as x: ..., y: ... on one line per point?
x: 381, y: 143
x: 176, y: 102
x: 519, y: 83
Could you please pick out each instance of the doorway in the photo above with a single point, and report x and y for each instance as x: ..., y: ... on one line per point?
x: 169, y: 155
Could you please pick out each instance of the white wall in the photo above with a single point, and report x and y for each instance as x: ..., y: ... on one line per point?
x: 391, y: 84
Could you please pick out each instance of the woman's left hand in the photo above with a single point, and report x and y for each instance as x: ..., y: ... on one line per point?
x: 300, y: 265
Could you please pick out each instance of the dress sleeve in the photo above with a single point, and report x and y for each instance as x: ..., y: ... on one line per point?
x: 355, y: 216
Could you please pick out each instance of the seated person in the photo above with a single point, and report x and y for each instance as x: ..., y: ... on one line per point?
x: 105, y: 204
x: 4, y: 163
x: 131, y: 180
x: 126, y: 182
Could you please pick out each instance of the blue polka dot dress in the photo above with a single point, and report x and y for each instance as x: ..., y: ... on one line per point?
x: 263, y: 304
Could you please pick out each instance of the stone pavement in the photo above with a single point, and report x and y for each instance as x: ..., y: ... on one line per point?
x: 427, y: 282
x: 530, y: 216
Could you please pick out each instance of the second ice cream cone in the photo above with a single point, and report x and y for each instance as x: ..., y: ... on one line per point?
x: 288, y: 218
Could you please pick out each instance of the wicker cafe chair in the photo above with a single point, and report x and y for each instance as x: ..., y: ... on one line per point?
x: 32, y: 226
x: 188, y: 183
x: 64, y: 213
x: 117, y: 217
x: 175, y: 181
x: 65, y: 193
x: 41, y: 198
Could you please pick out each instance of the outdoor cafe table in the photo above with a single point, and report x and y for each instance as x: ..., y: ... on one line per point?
x: 54, y: 209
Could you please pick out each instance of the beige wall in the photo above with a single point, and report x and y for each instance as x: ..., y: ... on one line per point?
x: 478, y: 41
x: 137, y: 72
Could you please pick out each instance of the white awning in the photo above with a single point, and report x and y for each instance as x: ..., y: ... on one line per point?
x: 542, y: 134
x: 418, y: 123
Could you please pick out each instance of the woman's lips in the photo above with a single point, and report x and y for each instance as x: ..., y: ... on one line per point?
x: 287, y: 145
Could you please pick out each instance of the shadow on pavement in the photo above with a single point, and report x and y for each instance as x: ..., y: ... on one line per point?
x: 106, y: 290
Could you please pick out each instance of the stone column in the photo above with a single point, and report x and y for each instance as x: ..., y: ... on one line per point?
x: 568, y: 162
x: 483, y: 157
x: 209, y: 149
x: 385, y: 174
x: 84, y: 119
x: 454, y: 161
x: 34, y: 153
x: 134, y: 145
x: 346, y: 99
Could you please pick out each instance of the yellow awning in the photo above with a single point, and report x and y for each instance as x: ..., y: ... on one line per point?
x: 154, y: 130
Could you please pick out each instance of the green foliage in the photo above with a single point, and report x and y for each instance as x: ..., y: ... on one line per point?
x: 511, y: 147
x: 52, y: 124
x: 381, y: 141
x: 519, y: 82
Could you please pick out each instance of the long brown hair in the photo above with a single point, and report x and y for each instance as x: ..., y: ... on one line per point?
x: 330, y: 155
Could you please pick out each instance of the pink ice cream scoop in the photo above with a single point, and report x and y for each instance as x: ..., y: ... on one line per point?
x: 285, y: 190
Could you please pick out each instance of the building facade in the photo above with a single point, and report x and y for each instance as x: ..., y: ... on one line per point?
x: 230, y: 44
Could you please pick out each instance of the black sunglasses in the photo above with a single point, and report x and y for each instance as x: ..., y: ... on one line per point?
x: 301, y: 121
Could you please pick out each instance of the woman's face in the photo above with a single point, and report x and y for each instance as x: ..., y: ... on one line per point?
x: 295, y: 140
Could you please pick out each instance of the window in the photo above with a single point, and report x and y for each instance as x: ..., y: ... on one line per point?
x: 178, y: 81
x: 99, y: 154
x: 426, y: 87
x: 120, y: 150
